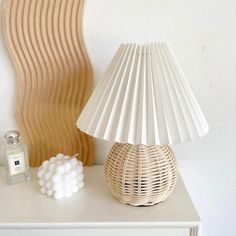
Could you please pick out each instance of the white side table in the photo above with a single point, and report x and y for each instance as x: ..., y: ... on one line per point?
x: 92, y: 211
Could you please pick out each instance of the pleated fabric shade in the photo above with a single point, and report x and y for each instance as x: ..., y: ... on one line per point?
x: 143, y: 98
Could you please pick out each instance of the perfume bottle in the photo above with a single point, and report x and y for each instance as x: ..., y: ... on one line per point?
x: 15, y: 158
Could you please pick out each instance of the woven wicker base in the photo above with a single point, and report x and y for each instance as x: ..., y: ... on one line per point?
x: 139, y: 174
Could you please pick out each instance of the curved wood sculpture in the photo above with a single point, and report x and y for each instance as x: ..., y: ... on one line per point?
x: 54, y: 75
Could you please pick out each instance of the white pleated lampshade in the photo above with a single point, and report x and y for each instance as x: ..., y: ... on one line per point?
x: 143, y: 98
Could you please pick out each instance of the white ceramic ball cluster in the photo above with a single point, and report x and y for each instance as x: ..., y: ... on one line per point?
x: 61, y: 176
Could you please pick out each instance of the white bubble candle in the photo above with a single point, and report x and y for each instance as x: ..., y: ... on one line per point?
x: 61, y: 176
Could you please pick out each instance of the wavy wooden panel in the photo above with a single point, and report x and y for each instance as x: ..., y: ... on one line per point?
x: 54, y: 75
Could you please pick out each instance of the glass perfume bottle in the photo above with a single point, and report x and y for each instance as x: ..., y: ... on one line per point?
x: 15, y: 158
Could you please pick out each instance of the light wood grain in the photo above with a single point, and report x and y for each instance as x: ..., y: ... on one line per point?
x: 54, y: 76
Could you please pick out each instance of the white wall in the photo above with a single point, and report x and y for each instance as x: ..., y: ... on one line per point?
x: 202, y: 35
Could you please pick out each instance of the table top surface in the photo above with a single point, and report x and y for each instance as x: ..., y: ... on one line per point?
x: 22, y: 205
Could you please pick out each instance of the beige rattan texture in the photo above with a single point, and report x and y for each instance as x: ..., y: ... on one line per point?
x: 140, y: 174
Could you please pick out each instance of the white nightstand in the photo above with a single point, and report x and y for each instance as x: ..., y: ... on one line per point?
x: 92, y: 211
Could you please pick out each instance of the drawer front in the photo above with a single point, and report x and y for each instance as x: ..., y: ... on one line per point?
x: 99, y: 232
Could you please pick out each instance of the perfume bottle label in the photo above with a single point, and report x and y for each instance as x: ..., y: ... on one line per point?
x: 16, y: 162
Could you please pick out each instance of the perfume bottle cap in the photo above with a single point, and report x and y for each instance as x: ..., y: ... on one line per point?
x: 12, y: 136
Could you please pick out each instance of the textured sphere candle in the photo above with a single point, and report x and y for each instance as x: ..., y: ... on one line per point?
x: 61, y: 176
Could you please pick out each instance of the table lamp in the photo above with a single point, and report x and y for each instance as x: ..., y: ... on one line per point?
x: 143, y: 104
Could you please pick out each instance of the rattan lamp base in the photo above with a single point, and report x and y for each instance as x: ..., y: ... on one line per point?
x: 140, y: 174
